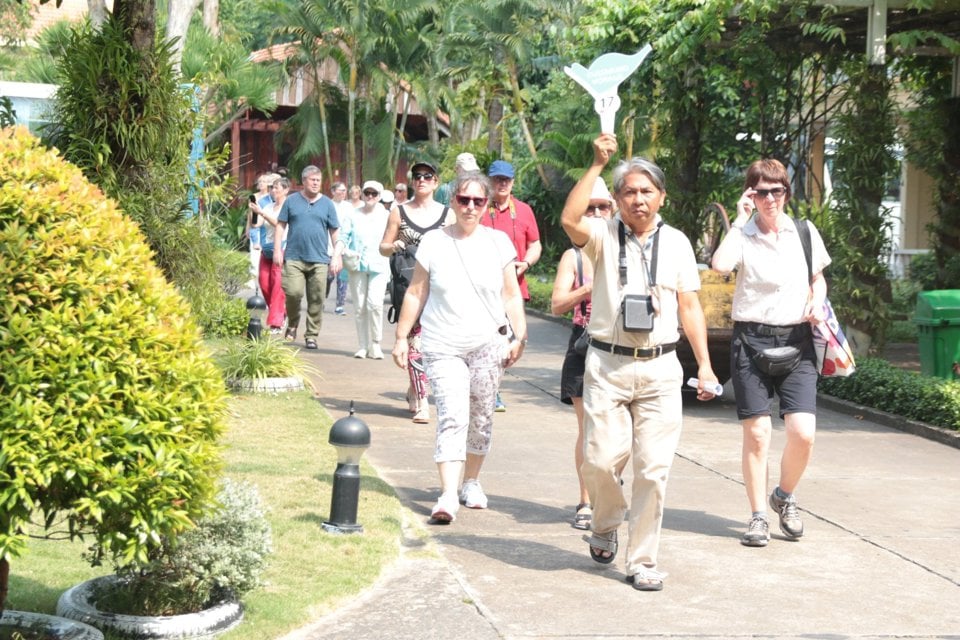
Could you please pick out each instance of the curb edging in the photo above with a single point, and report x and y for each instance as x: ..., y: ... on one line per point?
x: 915, y: 427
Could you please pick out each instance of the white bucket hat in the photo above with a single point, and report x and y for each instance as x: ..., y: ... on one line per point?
x: 600, y: 191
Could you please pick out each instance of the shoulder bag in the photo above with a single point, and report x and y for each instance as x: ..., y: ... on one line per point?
x: 580, y: 346
x: 834, y: 356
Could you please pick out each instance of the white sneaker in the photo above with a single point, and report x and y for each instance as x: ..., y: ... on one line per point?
x: 472, y: 496
x: 422, y: 416
x: 375, y: 352
x: 446, y: 508
x: 362, y: 353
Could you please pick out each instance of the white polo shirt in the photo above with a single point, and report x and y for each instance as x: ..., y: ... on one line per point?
x: 676, y: 272
x: 772, y: 284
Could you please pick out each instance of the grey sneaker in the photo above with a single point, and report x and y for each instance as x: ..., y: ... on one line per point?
x: 786, y: 508
x: 757, y: 534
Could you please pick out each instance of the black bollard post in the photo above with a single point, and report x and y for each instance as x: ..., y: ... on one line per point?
x: 351, y: 437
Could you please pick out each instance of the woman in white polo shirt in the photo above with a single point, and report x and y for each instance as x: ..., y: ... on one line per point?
x: 775, y: 303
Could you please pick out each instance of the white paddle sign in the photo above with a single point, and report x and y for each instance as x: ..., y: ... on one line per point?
x: 602, y: 79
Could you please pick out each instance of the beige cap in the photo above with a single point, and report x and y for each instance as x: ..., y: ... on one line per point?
x: 373, y: 184
x: 600, y: 191
x: 467, y: 162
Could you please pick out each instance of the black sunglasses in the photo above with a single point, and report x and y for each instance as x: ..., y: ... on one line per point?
x: 598, y: 207
x: 776, y: 192
x: 423, y: 176
x: 370, y: 193
x: 464, y: 201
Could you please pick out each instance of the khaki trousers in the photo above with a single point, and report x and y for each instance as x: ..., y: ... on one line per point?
x: 632, y: 408
x: 305, y: 277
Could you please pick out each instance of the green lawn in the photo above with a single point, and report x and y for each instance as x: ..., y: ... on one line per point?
x: 278, y: 443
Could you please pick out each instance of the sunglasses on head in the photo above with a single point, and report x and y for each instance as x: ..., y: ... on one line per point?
x: 370, y: 193
x: 776, y: 192
x: 423, y: 176
x: 464, y: 201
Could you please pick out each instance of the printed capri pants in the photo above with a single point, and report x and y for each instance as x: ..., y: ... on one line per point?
x: 464, y: 390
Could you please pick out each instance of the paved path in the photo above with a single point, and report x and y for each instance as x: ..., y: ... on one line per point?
x: 880, y: 558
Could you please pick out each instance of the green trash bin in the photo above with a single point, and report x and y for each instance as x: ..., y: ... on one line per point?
x: 938, y: 326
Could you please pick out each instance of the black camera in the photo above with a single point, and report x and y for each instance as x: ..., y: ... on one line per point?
x: 637, y: 312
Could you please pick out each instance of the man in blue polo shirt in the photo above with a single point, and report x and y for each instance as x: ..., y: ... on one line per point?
x: 308, y: 224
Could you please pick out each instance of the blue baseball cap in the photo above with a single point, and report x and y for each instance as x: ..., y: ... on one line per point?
x: 501, y: 168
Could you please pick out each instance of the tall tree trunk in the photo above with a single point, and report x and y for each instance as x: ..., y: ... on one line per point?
x: 139, y: 18
x: 433, y: 131
x: 494, y: 117
x: 401, y: 137
x: 352, y: 124
x: 211, y: 16
x: 521, y: 115
x: 685, y: 190
x: 947, y: 226
x: 4, y: 583
x: 322, y: 107
x: 97, y: 12
x: 179, y: 13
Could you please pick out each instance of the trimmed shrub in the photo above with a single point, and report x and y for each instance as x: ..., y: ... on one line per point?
x: 112, y: 407
x: 880, y: 385
x: 221, y: 316
x: 223, y: 557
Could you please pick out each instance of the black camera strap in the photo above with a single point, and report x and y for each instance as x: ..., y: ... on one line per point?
x: 651, y: 268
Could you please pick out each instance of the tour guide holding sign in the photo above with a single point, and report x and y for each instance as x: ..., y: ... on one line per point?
x: 632, y: 381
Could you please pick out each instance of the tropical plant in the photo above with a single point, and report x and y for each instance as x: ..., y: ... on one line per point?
x: 112, y: 406
x: 37, y: 62
x: 8, y: 117
x: 267, y: 357
x: 122, y: 117
x: 933, y: 143
x: 222, y: 557
x: 230, y: 83
x: 15, y: 19
x: 860, y: 241
x: 498, y: 38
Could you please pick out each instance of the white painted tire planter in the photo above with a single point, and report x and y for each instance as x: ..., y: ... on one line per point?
x: 267, y: 385
x: 52, y: 626
x: 75, y: 603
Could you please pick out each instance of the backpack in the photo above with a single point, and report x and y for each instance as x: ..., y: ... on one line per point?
x: 403, y: 263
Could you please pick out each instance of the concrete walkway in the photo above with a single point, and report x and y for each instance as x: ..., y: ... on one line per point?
x: 880, y: 558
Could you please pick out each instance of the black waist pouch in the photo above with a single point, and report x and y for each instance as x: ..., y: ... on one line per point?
x: 776, y: 361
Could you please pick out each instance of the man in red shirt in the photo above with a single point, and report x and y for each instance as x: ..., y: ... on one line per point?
x: 515, y: 218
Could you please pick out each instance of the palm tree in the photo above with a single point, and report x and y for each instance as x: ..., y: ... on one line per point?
x: 309, y: 56
x: 499, y: 38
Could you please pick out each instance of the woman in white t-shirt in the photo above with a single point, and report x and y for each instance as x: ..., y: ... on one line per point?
x: 464, y: 291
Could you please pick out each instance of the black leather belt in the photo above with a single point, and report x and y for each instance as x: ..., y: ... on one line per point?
x: 760, y: 329
x: 637, y: 353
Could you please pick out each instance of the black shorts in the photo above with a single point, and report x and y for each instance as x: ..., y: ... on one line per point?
x: 754, y: 389
x: 571, y: 376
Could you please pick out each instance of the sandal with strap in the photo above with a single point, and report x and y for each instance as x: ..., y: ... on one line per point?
x: 647, y: 580
x: 583, y: 516
x: 601, y: 543
x: 310, y: 343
